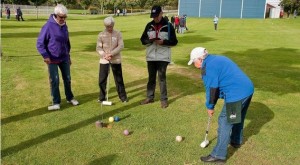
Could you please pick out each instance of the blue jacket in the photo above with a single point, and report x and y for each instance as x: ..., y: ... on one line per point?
x: 53, y: 41
x: 224, y: 79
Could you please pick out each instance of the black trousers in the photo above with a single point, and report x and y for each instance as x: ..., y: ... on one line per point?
x: 154, y: 68
x: 104, y: 70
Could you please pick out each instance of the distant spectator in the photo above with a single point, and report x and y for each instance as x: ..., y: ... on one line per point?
x: 166, y: 18
x: 185, y: 17
x: 181, y: 25
x: 177, y: 23
x: 295, y: 13
x: 216, y: 20
x: 118, y: 12
x: 16, y: 15
x: 19, y: 14
x: 288, y: 13
x: 281, y: 14
x: 7, y: 11
x: 124, y: 12
x: 173, y: 20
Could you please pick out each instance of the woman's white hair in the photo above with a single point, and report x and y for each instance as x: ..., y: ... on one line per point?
x: 60, y: 9
x: 109, y: 21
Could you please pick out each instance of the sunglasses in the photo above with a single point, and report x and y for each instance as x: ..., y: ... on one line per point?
x: 61, y: 17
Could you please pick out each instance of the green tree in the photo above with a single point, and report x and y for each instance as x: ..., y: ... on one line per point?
x: 85, y: 4
x: 290, y: 5
x: 19, y: 2
x: 158, y: 2
x: 38, y: 2
x: 141, y: 3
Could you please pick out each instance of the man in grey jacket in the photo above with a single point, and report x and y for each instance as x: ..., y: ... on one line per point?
x: 159, y: 35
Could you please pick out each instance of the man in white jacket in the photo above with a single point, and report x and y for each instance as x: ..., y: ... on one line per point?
x: 159, y: 35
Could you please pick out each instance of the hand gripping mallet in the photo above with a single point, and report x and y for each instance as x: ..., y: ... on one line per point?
x: 206, y: 142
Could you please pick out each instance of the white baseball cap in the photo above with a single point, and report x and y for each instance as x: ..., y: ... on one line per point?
x: 198, y: 52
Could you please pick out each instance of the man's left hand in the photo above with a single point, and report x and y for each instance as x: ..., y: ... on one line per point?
x: 159, y: 42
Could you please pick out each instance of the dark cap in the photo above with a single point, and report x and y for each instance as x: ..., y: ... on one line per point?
x: 155, y: 11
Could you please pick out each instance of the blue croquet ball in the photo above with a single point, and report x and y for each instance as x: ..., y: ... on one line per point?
x: 117, y: 118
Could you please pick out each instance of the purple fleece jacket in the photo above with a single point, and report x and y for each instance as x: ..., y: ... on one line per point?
x: 53, y: 41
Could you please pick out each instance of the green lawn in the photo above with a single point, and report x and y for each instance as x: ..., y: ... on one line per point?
x: 267, y: 50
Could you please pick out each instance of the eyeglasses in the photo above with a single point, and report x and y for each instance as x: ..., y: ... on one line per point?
x: 61, y: 17
x: 109, y: 26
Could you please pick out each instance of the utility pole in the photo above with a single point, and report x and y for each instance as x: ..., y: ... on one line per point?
x: 37, y: 12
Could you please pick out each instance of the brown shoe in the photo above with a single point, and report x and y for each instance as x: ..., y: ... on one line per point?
x: 164, y: 104
x: 147, y: 101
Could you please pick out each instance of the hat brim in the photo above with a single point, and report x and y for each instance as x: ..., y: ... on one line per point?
x: 154, y: 15
x: 190, y: 62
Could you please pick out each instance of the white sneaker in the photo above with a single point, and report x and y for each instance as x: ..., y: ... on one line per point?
x: 73, y: 102
x: 54, y: 107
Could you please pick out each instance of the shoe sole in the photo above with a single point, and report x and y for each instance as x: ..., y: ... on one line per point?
x: 143, y: 103
x: 72, y: 103
x: 54, y: 109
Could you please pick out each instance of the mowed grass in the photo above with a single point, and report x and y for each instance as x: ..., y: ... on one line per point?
x: 267, y: 50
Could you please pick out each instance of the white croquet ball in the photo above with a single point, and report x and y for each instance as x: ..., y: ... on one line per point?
x: 178, y: 138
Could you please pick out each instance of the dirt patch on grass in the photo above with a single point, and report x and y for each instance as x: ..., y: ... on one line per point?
x: 20, y: 83
x: 184, y: 71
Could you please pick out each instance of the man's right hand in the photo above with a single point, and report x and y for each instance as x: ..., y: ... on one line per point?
x: 210, y: 112
x: 47, y: 60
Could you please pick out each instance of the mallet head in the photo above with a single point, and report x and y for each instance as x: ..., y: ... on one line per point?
x: 204, y: 144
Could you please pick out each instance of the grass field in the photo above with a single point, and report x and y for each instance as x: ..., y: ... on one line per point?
x: 267, y: 50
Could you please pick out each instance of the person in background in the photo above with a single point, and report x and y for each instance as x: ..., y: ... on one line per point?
x: 295, y: 13
x: 216, y: 21
x: 118, y: 12
x: 166, y: 17
x: 177, y: 23
x: 281, y: 13
x: 181, y: 25
x: 109, y: 46
x: 124, y: 11
x: 16, y: 14
x: 19, y: 14
x: 173, y: 21
x: 158, y: 36
x: 54, y: 45
x: 185, y: 20
x: 7, y: 11
x: 222, y: 78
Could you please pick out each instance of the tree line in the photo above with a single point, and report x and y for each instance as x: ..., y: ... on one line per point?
x: 290, y: 5
x: 100, y: 4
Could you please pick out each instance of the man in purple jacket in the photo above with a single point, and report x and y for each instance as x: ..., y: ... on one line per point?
x: 54, y: 45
